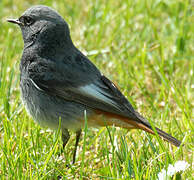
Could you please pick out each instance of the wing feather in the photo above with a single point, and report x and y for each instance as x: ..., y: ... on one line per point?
x: 73, y: 82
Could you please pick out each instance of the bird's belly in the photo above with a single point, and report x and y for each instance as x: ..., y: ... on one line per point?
x: 48, y: 110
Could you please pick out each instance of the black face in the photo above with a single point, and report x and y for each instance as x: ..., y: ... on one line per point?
x: 22, y: 21
x: 26, y: 20
x: 42, y: 25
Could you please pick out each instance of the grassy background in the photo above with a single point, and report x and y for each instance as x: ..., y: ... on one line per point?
x: 147, y: 48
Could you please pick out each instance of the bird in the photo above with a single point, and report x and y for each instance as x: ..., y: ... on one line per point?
x: 58, y: 82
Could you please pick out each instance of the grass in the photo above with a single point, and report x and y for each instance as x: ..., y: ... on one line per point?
x: 146, y: 47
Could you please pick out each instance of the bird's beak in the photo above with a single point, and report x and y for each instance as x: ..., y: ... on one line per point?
x: 15, y: 21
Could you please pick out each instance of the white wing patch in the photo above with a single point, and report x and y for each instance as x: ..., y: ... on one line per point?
x: 35, y: 84
x: 97, y: 93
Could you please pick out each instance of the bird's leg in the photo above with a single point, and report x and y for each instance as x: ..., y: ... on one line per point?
x: 65, y: 137
x: 78, y: 134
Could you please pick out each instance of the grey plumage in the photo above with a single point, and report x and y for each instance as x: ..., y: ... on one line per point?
x: 58, y: 81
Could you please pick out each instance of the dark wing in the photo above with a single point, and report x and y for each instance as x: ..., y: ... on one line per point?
x: 84, y: 84
x: 80, y: 81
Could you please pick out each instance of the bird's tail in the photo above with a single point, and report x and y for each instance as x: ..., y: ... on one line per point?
x: 164, y: 135
x: 137, y: 122
x: 142, y: 123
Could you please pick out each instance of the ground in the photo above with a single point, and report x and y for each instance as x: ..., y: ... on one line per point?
x: 146, y: 48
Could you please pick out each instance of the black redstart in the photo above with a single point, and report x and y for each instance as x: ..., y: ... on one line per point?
x: 58, y: 82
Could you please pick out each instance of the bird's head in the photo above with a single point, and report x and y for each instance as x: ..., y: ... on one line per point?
x: 43, y: 27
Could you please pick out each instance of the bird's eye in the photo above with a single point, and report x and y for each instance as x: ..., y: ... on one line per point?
x: 27, y: 21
